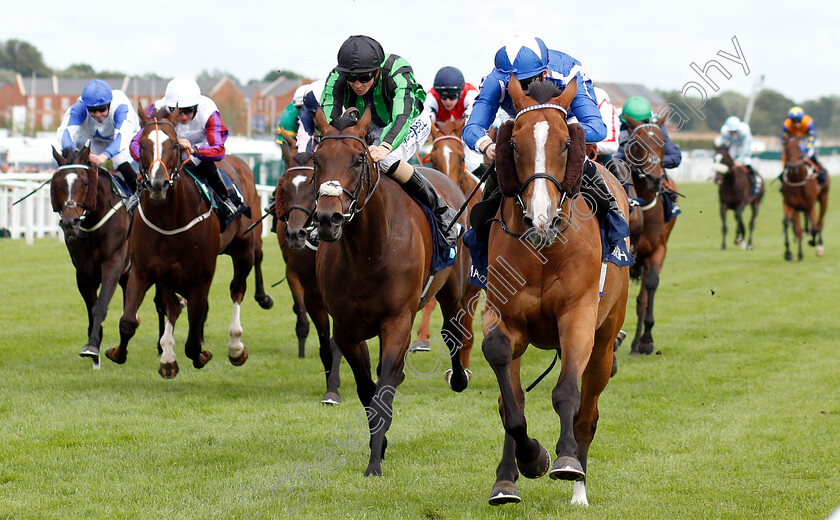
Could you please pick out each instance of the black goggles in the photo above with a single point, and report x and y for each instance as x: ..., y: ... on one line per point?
x: 185, y: 110
x: 527, y: 81
x: 100, y: 108
x: 362, y: 78
x: 449, y: 93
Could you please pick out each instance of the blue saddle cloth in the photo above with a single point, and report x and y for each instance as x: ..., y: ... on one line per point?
x: 669, y: 203
x: 614, y: 229
x: 443, y: 255
x: 213, y: 198
x: 119, y: 186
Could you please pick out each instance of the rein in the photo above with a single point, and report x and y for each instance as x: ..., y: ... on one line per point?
x: 335, y: 189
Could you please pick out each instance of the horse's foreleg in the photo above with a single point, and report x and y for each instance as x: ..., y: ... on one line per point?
x: 650, y: 282
x: 111, y: 271
x: 298, y: 308
x: 138, y: 284
x: 641, y: 310
x: 753, y: 215
x: 242, y: 265
x: 532, y: 459
x: 786, y: 222
x: 723, y: 225
x: 741, y: 231
x: 260, y: 296
x: 504, y: 489
x: 169, y: 307
x: 87, y: 288
x: 328, y: 350
x: 197, y: 308
x: 473, y: 298
x: 424, y: 331
x: 797, y: 229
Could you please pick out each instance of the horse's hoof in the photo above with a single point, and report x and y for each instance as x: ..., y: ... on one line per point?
x: 373, y: 470
x: 116, y: 355
x: 619, y: 339
x: 743, y: 245
x: 265, y: 302
x: 812, y: 242
x: 168, y: 370
x: 789, y: 256
x: 203, y: 358
x: 91, y: 351
x: 504, y: 492
x: 448, y: 377
x: 331, y: 398
x: 645, y: 348
x: 567, y: 468
x: 239, y: 361
x: 537, y: 467
x: 421, y: 345
x: 820, y: 250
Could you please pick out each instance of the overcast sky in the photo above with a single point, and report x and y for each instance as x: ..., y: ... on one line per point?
x: 638, y: 41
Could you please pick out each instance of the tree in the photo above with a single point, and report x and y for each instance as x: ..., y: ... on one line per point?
x: 822, y: 111
x: 769, y: 112
x: 77, y: 70
x: 734, y: 103
x: 23, y: 58
x: 215, y: 74
x: 274, y: 74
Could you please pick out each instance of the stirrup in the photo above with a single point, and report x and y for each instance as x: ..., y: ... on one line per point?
x: 227, y: 208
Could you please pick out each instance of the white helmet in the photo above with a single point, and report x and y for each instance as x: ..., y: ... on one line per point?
x: 182, y: 92
x: 732, y: 124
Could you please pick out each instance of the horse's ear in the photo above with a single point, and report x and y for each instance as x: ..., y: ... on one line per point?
x: 144, y: 119
x: 364, y: 122
x: 288, y: 138
x: 84, y: 155
x: 173, y: 116
x: 321, y: 121
x: 566, y: 97
x: 660, y: 119
x: 516, y: 94
x: 509, y: 182
x: 58, y: 158
x: 631, y: 123
x: 288, y: 146
x: 459, y: 125
x: 436, y: 132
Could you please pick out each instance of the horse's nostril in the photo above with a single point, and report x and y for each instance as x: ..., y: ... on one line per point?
x: 301, y: 235
x: 528, y: 222
x: 337, y: 219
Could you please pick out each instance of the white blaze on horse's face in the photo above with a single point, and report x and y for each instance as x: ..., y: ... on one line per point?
x: 157, y: 137
x: 298, y: 180
x: 70, y: 179
x: 541, y: 207
x: 447, y: 153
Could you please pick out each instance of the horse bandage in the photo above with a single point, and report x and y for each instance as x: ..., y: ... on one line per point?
x: 330, y: 189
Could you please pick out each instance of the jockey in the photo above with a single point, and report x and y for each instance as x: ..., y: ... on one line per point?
x: 451, y: 98
x: 104, y: 117
x: 200, y: 132
x: 800, y: 125
x: 606, y: 148
x: 638, y: 109
x: 366, y: 77
x: 737, y: 136
x: 528, y: 58
x: 298, y: 118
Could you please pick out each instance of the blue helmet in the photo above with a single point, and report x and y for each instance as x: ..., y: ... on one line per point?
x: 96, y: 93
x: 523, y: 55
x: 449, y: 77
x: 796, y: 113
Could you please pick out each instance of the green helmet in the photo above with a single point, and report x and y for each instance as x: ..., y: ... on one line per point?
x: 636, y: 108
x: 288, y: 122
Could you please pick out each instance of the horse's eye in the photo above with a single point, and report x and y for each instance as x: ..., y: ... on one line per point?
x: 360, y: 160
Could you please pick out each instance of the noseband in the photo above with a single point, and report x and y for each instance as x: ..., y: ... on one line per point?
x: 335, y: 189
x: 176, y: 171
x: 70, y: 203
x: 308, y: 212
x: 654, y: 160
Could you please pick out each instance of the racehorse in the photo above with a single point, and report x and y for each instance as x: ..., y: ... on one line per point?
x: 547, y: 295
x: 174, y: 243
x: 447, y: 156
x: 800, y: 193
x: 373, y: 264
x: 294, y: 205
x: 95, y: 225
x: 645, y: 151
x: 734, y: 193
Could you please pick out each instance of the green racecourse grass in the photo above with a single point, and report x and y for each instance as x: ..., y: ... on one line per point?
x: 737, y: 417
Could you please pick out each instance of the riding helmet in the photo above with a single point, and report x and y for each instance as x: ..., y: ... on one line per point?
x: 359, y: 54
x: 796, y: 113
x: 732, y: 124
x: 636, y: 108
x: 96, y: 93
x: 449, y: 78
x: 181, y: 93
x: 523, y: 55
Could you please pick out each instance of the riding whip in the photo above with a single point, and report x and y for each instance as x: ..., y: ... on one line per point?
x: 269, y: 211
x: 31, y: 192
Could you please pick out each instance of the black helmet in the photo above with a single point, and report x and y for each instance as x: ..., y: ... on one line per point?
x: 360, y: 54
x: 449, y: 78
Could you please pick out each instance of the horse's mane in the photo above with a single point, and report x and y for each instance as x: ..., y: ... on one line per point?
x: 543, y: 91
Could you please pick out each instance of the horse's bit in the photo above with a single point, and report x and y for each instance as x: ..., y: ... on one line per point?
x: 334, y: 188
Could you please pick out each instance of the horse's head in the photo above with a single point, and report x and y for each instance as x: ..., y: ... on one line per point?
x: 793, y: 156
x: 343, y: 171
x: 645, y: 152
x: 160, y: 153
x: 539, y: 158
x: 295, y: 191
x: 722, y: 156
x: 447, y: 153
x: 73, y: 189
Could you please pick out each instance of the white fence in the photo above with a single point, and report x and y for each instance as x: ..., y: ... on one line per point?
x: 34, y: 218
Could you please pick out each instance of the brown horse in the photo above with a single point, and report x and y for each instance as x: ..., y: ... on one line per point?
x: 800, y: 193
x: 294, y: 205
x: 447, y: 156
x: 373, y: 263
x: 95, y: 226
x: 547, y: 294
x: 174, y: 243
x: 734, y: 193
x: 645, y: 151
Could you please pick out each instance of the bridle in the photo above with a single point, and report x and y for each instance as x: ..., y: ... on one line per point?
x: 308, y: 212
x: 654, y: 161
x: 172, y: 176
x: 70, y: 203
x: 335, y: 189
x: 463, y: 176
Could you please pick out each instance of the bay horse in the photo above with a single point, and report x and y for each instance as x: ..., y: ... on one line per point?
x: 373, y: 263
x: 95, y: 225
x: 174, y: 243
x: 645, y: 152
x: 447, y: 157
x: 800, y: 194
x: 294, y: 205
x: 735, y: 194
x: 555, y: 293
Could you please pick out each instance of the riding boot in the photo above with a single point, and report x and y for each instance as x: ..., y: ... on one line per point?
x: 594, y: 185
x: 421, y: 189
x: 755, y: 181
x: 214, y: 178
x: 130, y: 177
x: 821, y: 172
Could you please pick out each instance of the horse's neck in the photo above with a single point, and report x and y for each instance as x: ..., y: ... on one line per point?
x: 183, y: 203
x: 366, y: 236
x: 642, y: 190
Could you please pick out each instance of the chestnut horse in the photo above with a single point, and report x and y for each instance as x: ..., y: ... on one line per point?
x: 174, y: 243
x: 734, y: 193
x: 294, y: 205
x: 645, y: 151
x: 447, y: 156
x: 547, y: 294
x: 373, y: 263
x: 95, y: 226
x: 800, y: 193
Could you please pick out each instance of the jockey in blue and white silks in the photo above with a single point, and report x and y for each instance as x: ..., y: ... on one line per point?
x: 527, y: 57
x: 104, y: 119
